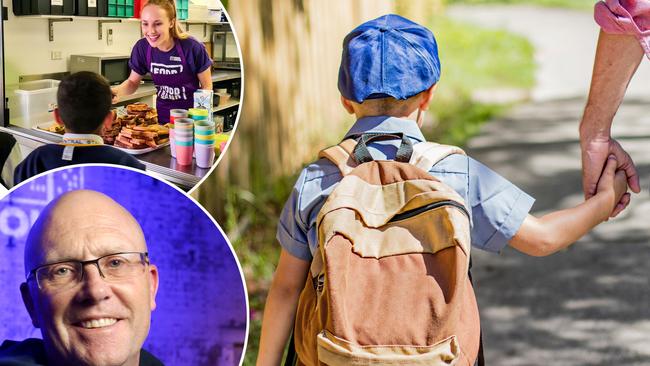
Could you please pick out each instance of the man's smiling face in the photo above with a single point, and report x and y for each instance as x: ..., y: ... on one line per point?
x: 95, y: 321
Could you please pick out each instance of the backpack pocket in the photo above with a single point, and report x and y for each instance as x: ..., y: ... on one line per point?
x: 335, y: 351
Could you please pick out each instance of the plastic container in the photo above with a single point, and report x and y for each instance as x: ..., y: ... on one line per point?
x: 37, y: 7
x: 197, y: 13
x: 62, y: 7
x: 87, y: 7
x: 182, y: 7
x: 21, y: 7
x: 137, y: 7
x: 102, y: 8
x: 223, y: 98
x: 121, y: 8
x: 35, y: 101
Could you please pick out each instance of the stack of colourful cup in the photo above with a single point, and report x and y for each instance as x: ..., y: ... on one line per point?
x: 198, y: 114
x: 204, y: 141
x: 184, y: 140
x: 173, y: 114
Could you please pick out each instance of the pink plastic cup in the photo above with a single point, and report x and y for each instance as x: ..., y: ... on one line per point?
x: 184, y: 154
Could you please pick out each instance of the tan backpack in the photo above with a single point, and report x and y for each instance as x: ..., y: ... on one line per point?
x: 389, y: 284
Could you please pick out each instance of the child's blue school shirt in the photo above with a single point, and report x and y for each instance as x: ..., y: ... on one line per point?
x: 497, y: 207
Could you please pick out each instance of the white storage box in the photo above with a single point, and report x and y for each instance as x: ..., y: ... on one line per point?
x: 34, y: 102
x: 197, y: 13
x: 214, y: 15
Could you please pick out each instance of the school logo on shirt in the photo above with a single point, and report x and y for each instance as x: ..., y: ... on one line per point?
x: 162, y: 69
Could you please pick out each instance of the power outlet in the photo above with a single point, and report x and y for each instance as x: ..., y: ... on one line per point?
x: 55, y: 55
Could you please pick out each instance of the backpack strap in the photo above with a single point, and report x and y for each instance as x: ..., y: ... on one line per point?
x: 427, y: 154
x: 341, y: 155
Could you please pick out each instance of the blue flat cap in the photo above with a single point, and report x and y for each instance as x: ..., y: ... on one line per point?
x: 390, y: 56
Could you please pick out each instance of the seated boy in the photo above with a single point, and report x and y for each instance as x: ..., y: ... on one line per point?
x: 84, y: 108
x: 387, y: 77
x: 9, y: 158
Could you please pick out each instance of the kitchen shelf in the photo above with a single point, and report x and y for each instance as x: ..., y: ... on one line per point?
x: 231, y: 103
x: 204, y: 23
x: 223, y: 75
x: 51, y: 19
x: 102, y: 20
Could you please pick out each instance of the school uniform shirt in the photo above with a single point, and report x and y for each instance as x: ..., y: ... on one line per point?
x: 75, y: 149
x: 174, y: 73
x: 9, y: 157
x: 31, y: 352
x: 497, y: 207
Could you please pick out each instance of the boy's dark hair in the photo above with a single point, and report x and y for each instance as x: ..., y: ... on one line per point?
x: 84, y: 99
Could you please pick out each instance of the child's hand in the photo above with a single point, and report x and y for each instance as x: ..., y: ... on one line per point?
x: 612, y: 185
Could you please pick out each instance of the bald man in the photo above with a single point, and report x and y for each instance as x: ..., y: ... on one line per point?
x: 89, y: 286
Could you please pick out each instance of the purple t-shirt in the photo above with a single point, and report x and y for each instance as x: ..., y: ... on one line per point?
x: 175, y: 76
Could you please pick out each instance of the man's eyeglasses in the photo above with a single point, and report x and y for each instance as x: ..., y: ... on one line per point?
x: 112, y: 267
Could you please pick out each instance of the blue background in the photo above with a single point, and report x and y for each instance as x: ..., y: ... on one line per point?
x: 201, y: 314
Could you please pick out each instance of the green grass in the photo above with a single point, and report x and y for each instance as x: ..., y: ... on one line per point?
x: 255, y: 215
x: 471, y: 58
x: 571, y: 4
x: 474, y: 58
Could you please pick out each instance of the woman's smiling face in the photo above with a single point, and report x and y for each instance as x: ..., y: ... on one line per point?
x: 156, y: 26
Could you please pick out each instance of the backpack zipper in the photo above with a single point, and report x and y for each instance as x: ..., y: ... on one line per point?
x: 432, y: 206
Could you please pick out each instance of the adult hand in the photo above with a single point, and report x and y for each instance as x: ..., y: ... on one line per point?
x: 594, y: 156
x: 114, y: 94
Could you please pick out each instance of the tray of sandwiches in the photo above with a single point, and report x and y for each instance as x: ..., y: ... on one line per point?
x: 134, y: 129
x: 51, y: 128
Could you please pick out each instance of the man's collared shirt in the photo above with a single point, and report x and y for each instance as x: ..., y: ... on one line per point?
x: 497, y: 207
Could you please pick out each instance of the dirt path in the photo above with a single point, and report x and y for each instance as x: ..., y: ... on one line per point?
x: 587, y: 305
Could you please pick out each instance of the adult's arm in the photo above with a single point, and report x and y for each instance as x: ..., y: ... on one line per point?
x: 205, y: 78
x: 625, y: 35
x: 280, y: 308
x: 128, y: 86
x: 617, y: 58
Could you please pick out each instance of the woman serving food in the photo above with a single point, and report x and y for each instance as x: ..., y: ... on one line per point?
x: 179, y: 64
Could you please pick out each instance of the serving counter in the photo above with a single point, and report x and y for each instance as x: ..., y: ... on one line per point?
x: 158, y: 163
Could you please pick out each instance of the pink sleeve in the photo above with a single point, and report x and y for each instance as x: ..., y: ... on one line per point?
x: 625, y: 17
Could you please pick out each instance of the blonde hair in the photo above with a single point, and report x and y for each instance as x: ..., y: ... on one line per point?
x: 169, y: 6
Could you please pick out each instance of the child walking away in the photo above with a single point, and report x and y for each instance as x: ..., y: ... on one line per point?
x: 376, y: 235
